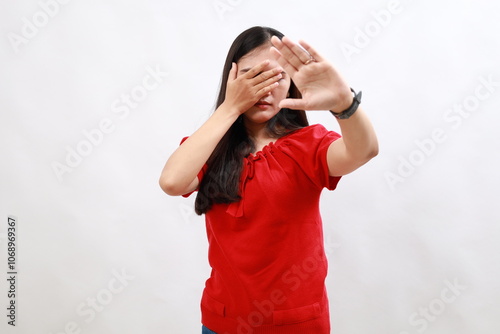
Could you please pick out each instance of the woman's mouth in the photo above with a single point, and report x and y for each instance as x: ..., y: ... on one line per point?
x: 263, y: 105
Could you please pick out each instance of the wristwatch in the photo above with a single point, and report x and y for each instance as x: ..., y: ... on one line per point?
x: 352, y: 109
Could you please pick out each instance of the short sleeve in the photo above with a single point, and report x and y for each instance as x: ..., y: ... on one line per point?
x: 200, y: 175
x: 309, y: 148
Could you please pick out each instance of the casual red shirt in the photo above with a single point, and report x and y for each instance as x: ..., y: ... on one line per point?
x: 266, y: 251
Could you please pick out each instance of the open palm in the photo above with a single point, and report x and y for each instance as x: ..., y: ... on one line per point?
x: 321, y: 86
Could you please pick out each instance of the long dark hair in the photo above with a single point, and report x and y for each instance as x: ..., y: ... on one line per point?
x: 220, y: 183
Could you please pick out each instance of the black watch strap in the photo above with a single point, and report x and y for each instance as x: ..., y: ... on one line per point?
x: 352, y: 109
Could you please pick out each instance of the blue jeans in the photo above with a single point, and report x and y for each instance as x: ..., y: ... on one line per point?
x: 205, y: 330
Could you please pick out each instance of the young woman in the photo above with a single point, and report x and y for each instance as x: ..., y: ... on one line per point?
x: 259, y: 169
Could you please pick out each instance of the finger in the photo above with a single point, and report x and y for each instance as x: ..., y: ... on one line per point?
x: 286, y: 53
x: 298, y: 51
x: 311, y: 50
x: 283, y: 62
x: 264, y: 76
x: 276, y: 42
x: 295, y: 104
x: 264, y: 90
x: 269, y: 82
x: 251, y: 73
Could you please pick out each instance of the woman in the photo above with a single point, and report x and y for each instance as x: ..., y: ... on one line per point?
x: 259, y: 169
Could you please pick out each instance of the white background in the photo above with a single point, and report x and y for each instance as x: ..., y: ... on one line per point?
x: 394, y: 246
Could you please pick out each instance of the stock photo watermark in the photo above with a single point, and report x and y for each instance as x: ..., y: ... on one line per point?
x: 291, y: 280
x: 222, y: 7
x: 31, y: 27
x: 12, y: 269
x: 421, y: 319
x: 90, y: 307
x: 121, y: 107
x: 365, y: 34
x: 187, y: 213
x: 408, y: 164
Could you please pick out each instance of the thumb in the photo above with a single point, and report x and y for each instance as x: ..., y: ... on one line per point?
x: 296, y: 104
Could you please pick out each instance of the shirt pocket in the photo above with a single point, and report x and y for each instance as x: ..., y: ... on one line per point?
x: 213, y: 305
x: 296, y: 315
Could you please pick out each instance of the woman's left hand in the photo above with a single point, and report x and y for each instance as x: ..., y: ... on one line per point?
x: 321, y: 86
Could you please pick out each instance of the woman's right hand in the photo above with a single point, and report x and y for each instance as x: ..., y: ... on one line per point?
x: 246, y: 89
x: 179, y: 176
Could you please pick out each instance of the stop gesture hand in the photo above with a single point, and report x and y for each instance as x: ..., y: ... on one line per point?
x: 320, y: 84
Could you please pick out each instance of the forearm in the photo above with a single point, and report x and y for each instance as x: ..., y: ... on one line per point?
x: 185, y: 163
x: 359, y: 136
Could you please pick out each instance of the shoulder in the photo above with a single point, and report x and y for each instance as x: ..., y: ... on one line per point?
x: 310, y: 134
x: 310, y: 142
x: 308, y: 148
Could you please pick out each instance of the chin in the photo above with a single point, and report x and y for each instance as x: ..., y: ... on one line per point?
x: 260, y: 116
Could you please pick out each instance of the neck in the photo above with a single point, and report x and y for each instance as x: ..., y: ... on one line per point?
x: 257, y: 132
x: 259, y: 135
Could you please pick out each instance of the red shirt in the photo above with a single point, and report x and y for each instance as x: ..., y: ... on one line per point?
x: 266, y: 251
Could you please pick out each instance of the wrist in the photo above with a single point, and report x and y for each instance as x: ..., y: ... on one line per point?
x: 348, y: 112
x: 346, y: 99
x: 228, y: 110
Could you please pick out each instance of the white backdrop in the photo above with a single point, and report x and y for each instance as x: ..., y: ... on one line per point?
x: 95, y: 95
